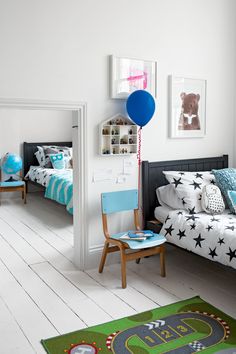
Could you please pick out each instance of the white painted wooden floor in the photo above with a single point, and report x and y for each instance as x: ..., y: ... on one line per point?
x: 43, y: 295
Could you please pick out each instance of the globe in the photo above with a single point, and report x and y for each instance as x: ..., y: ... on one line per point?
x: 11, y: 164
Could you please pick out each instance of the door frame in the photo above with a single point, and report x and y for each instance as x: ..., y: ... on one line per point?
x: 79, y: 114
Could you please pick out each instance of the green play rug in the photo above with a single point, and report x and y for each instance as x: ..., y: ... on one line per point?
x: 185, y: 327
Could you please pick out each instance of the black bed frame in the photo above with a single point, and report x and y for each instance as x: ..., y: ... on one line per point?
x: 29, y: 149
x: 152, y: 178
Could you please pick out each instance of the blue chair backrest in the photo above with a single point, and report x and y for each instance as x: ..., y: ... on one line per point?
x: 114, y: 202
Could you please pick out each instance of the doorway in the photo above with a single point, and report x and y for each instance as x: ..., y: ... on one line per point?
x: 79, y: 134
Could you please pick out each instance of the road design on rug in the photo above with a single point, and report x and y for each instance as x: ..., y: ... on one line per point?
x: 171, y: 328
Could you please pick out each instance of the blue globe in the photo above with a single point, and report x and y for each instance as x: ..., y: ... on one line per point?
x: 11, y: 164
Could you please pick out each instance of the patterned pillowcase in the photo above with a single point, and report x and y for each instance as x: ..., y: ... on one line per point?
x: 226, y: 181
x: 40, y: 156
x: 49, y: 150
x: 189, y: 186
x: 58, y: 161
x: 232, y: 197
x: 167, y: 196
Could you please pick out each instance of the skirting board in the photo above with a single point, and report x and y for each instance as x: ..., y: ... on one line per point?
x: 94, y: 256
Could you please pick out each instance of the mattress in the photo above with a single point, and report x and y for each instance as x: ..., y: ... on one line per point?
x: 211, y: 236
x: 43, y: 175
x: 161, y: 213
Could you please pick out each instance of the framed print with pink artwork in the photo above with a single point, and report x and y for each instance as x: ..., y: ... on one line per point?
x: 128, y: 75
x: 187, y: 107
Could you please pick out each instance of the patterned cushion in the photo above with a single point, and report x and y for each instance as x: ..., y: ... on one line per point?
x: 226, y: 181
x: 40, y: 156
x: 232, y: 197
x: 167, y: 196
x: 48, y: 150
x: 189, y: 186
x: 58, y: 161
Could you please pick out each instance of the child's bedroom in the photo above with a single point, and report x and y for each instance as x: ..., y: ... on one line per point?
x: 118, y: 176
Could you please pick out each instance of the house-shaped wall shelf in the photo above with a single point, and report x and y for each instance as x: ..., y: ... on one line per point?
x: 118, y: 136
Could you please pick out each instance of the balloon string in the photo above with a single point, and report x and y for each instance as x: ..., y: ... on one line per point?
x: 139, y: 167
x: 139, y: 146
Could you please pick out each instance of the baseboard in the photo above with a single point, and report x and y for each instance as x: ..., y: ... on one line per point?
x: 94, y: 256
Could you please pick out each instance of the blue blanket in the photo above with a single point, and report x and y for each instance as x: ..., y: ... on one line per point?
x: 60, y: 189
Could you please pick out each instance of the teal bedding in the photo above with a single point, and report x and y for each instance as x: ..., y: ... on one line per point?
x: 60, y: 189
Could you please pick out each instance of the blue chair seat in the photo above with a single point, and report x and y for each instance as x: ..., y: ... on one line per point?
x: 156, y: 240
x: 12, y: 184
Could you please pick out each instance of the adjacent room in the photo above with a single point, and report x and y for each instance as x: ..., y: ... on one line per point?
x: 117, y: 176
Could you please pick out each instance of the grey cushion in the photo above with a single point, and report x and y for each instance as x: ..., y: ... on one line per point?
x: 48, y: 150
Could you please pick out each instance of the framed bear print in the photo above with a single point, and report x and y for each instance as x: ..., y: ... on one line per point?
x: 187, y: 107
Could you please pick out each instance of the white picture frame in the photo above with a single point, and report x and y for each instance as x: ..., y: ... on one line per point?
x: 128, y: 75
x: 187, y: 107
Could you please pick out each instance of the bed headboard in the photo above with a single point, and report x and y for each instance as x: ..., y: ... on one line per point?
x: 29, y: 150
x: 152, y: 177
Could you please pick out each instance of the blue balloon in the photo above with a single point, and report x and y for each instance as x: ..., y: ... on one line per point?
x: 11, y: 164
x: 140, y: 106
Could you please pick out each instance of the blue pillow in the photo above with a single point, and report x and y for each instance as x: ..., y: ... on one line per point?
x: 58, y: 161
x: 226, y: 181
x: 232, y: 197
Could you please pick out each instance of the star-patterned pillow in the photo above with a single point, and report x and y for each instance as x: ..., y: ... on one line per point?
x: 188, y: 187
x: 167, y: 196
x: 40, y: 156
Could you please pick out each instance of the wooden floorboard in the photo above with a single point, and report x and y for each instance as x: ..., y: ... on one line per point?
x: 40, y: 285
x: 11, y: 329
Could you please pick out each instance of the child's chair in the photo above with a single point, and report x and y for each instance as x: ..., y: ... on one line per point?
x: 120, y: 201
x: 13, y: 186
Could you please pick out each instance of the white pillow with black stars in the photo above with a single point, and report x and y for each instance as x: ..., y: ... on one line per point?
x: 189, y: 186
x: 40, y: 156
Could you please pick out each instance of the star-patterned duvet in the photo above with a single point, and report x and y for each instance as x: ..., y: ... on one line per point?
x: 213, y: 237
x: 42, y: 175
x: 58, y: 184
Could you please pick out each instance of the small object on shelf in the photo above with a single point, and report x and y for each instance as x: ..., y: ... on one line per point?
x: 131, y: 141
x: 106, y: 151
x: 123, y: 141
x: 130, y: 132
x: 105, y: 132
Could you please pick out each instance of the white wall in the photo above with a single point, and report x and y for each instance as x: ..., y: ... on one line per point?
x: 59, y: 49
x: 18, y: 126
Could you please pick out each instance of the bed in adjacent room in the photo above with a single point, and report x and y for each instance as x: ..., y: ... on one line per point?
x: 50, y: 166
x: 181, y: 219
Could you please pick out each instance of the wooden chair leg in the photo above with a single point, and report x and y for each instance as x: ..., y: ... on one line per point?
x: 104, y: 256
x: 162, y: 262
x: 123, y: 268
x: 24, y: 194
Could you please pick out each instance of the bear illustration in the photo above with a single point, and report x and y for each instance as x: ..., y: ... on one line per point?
x: 189, y: 119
